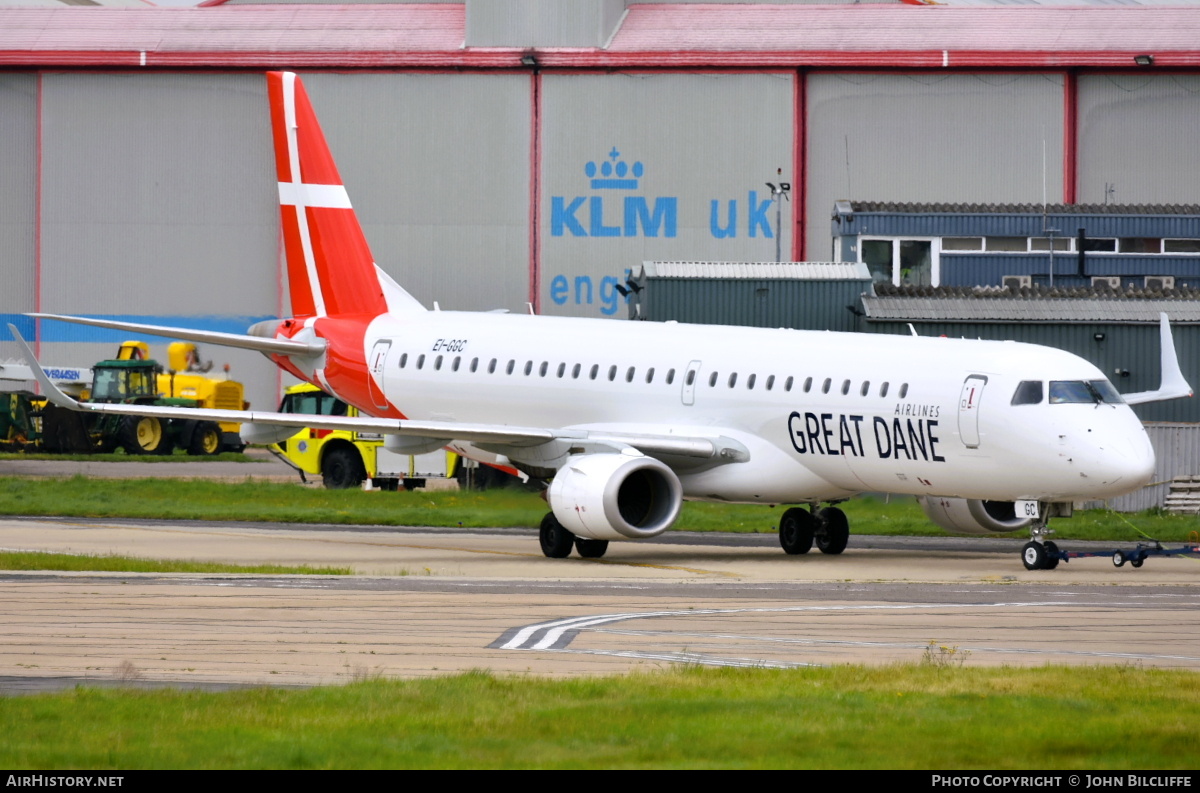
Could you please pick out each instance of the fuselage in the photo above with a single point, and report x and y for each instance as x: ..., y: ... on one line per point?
x: 823, y: 415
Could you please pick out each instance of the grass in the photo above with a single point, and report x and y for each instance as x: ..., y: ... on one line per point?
x: 273, y: 502
x: 916, y: 716
x: 119, y: 456
x: 39, y: 560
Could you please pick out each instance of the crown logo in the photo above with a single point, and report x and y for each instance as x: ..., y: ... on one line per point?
x: 614, y: 173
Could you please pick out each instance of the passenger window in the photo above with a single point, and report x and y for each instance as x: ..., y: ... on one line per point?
x: 732, y: 379
x: 528, y: 368
x: 512, y: 364
x: 845, y: 387
x: 750, y: 382
x: 712, y: 380
x: 562, y: 369
x: 492, y: 366
x: 543, y: 369
x: 420, y: 361
x: 883, y: 387
x: 866, y: 387
x: 437, y: 363
x: 1029, y: 392
x: 457, y: 361
x: 787, y: 384
x: 770, y: 382
x: 903, y: 390
x: 575, y: 371
x: 807, y: 384
x: 650, y: 375
x: 629, y: 375
x: 595, y: 371
x: 612, y: 373
x: 825, y: 386
x: 691, y: 376
x: 403, y: 359
x: 670, y: 376
x: 474, y: 365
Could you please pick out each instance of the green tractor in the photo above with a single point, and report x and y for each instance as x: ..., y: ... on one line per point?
x: 132, y: 381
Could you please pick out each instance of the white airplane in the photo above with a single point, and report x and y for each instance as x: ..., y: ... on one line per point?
x: 626, y: 420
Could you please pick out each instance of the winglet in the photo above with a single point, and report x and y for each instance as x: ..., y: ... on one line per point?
x: 52, y: 392
x: 1174, y: 385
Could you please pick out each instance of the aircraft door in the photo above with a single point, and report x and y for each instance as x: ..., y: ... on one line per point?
x: 379, y: 356
x: 968, y: 410
x: 689, y: 383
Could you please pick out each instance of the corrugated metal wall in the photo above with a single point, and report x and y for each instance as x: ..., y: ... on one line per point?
x: 437, y: 167
x: 158, y: 204
x: 542, y: 23
x: 697, y: 150
x: 763, y: 303
x: 1138, y: 134
x: 1176, y: 452
x: 929, y: 137
x: 970, y: 269
x: 18, y: 209
x: 1125, y: 348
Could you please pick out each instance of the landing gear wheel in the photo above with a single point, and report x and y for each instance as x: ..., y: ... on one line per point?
x: 833, y: 530
x: 206, y: 440
x: 796, y: 529
x: 556, y: 540
x: 143, y: 435
x: 342, y: 468
x: 1034, y: 556
x: 1052, y: 559
x: 1118, y: 559
x: 1136, y: 562
x: 590, y: 549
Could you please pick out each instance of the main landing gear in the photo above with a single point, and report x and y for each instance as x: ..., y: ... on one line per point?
x: 557, y: 541
x: 828, y: 528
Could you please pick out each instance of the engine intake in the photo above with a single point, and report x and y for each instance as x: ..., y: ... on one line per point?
x: 615, y: 496
x: 973, y: 516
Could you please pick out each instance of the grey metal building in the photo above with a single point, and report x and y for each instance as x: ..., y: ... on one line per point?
x: 1114, y: 246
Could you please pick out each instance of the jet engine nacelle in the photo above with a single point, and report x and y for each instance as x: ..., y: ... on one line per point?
x: 973, y: 516
x: 615, y: 496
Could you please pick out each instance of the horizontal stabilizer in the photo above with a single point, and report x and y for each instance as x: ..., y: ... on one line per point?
x: 1173, y: 385
x: 259, y: 343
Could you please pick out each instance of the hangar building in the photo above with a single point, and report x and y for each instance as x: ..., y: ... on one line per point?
x: 504, y: 152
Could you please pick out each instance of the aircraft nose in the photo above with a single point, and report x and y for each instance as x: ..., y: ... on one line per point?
x: 1124, y: 464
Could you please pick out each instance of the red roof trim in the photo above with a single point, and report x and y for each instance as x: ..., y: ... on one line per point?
x: 652, y: 36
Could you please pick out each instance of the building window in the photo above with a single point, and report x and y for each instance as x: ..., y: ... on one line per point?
x: 1008, y: 244
x: 1181, y: 246
x: 1093, y: 245
x: 1063, y: 244
x: 962, y: 243
x: 1139, y: 245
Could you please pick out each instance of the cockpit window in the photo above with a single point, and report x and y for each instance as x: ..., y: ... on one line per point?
x: 1083, y: 391
x: 1029, y: 392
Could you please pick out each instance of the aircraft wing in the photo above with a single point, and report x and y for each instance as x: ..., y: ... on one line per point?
x: 262, y: 344
x: 1173, y: 385
x: 717, y: 450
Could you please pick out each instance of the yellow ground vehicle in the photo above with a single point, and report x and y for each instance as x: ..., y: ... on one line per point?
x: 347, y: 459
x: 186, y: 378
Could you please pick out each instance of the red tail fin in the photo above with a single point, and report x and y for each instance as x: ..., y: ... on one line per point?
x: 330, y: 268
